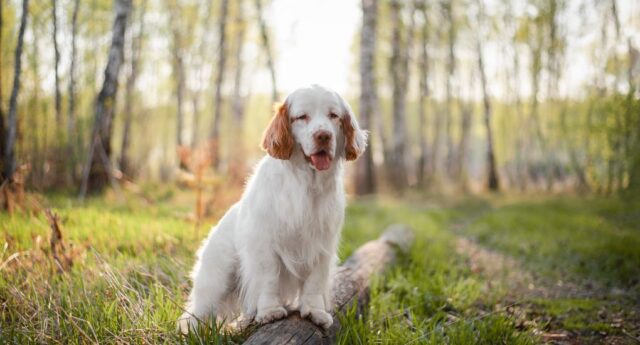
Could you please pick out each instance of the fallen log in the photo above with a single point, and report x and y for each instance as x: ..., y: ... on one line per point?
x: 351, y: 285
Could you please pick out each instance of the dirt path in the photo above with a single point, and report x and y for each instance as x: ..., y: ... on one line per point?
x: 525, y: 292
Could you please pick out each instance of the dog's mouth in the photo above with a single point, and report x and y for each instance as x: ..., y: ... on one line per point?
x: 321, y: 160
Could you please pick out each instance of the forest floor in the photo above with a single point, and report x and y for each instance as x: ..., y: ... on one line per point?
x: 499, y: 269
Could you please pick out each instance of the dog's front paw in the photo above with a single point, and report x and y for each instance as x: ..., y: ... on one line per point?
x: 270, y: 314
x: 317, y: 316
x: 187, y: 323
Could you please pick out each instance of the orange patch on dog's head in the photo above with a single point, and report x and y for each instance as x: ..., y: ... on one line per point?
x: 278, y: 139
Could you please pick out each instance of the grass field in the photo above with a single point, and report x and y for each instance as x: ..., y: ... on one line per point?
x: 494, y: 270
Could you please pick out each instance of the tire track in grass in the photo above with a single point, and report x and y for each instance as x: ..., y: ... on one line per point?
x: 544, y: 307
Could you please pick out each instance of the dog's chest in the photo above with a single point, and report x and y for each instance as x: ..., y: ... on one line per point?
x: 311, y: 217
x: 310, y: 233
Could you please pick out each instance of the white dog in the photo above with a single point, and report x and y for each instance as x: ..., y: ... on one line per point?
x: 274, y: 251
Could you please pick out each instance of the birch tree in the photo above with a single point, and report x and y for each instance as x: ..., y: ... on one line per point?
x: 365, y: 182
x: 56, y: 60
x: 72, y: 135
x: 513, y: 84
x: 423, y: 157
x: 221, y: 64
x: 197, y: 64
x: 447, y: 8
x: 2, y: 120
x: 178, y: 53
x: 492, y: 173
x: 236, y: 161
x: 399, y: 76
x: 12, y: 125
x: 136, y: 49
x: 97, y: 172
x: 264, y: 34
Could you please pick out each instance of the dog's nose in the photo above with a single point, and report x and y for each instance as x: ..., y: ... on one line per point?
x: 322, y: 137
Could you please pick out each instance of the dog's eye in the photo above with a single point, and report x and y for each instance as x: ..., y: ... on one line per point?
x: 303, y: 117
x: 333, y: 116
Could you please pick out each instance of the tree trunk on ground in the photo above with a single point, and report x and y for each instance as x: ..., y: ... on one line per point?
x: 136, y: 47
x: 492, y: 174
x: 267, y: 49
x: 12, y: 126
x: 72, y: 135
x: 217, y: 110
x: 423, y: 159
x: 350, y: 288
x: 399, y: 62
x: 365, y: 182
x: 98, y: 170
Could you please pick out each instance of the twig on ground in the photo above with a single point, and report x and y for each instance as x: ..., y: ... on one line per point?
x: 631, y: 336
x: 58, y: 249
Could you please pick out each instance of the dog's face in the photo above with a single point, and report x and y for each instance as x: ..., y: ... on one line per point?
x: 320, y: 122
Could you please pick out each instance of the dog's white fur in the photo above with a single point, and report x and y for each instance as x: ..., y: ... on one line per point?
x: 274, y: 250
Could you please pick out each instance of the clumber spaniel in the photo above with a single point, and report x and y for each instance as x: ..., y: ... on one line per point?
x: 274, y: 251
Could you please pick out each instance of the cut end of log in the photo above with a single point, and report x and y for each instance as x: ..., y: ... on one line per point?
x: 399, y: 235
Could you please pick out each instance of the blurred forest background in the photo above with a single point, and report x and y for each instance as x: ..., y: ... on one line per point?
x: 505, y: 133
x: 465, y: 95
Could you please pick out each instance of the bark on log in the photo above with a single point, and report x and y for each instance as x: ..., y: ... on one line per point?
x: 351, y: 285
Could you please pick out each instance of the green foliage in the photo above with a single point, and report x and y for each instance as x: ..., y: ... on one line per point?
x: 131, y: 260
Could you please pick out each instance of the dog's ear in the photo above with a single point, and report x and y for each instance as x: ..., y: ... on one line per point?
x: 278, y: 138
x: 355, y: 138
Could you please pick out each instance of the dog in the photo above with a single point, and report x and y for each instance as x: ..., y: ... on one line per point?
x: 274, y: 251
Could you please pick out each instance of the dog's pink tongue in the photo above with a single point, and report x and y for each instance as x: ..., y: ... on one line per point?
x: 321, y: 161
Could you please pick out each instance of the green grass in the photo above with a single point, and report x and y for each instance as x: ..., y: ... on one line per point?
x: 126, y: 284
x: 431, y: 296
x: 131, y: 261
x: 575, y: 314
x: 568, y: 238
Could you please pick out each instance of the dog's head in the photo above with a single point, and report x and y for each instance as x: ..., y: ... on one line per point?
x: 320, y: 122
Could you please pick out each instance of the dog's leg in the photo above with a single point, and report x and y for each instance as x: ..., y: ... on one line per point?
x: 314, y: 301
x: 290, y: 286
x: 262, y: 295
x: 212, y: 281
